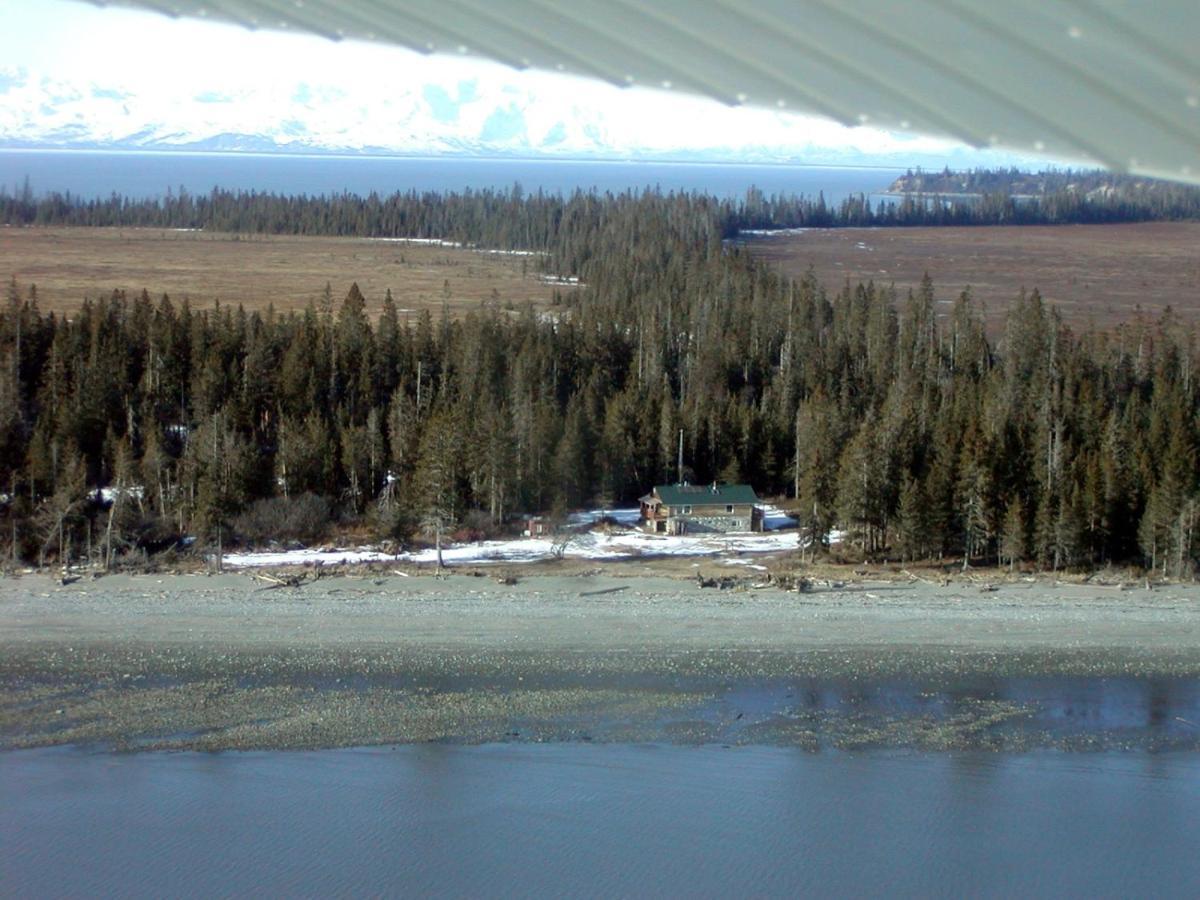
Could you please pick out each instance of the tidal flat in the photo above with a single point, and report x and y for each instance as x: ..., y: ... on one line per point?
x: 154, y: 662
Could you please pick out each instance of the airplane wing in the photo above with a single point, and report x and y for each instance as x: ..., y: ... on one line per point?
x: 1114, y: 83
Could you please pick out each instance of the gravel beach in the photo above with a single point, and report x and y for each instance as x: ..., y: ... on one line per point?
x: 223, y: 662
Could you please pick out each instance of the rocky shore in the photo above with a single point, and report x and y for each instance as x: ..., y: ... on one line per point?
x: 230, y: 662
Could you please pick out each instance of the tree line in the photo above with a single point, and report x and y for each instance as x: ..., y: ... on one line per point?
x: 513, y: 219
x: 896, y: 419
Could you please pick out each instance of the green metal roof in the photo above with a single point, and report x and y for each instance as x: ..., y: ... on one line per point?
x: 705, y: 494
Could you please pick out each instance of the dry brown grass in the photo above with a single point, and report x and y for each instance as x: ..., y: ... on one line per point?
x: 1094, y: 273
x: 68, y: 264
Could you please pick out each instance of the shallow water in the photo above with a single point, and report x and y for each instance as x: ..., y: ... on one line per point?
x: 506, y: 820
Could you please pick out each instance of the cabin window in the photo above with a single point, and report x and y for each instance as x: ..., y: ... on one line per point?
x: 684, y: 510
x: 729, y: 508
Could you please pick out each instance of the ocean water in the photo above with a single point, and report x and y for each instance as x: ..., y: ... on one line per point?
x: 599, y: 821
x: 137, y: 174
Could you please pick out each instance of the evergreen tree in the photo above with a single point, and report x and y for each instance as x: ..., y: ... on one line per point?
x: 817, y: 439
x: 974, y: 497
x: 123, y: 491
x: 858, y: 490
x: 1047, y: 549
x: 1167, y: 531
x: 912, y: 526
x: 1013, y: 541
x: 572, y: 461
x: 304, y: 462
x: 436, y: 483
x: 220, y: 471
x: 61, y: 510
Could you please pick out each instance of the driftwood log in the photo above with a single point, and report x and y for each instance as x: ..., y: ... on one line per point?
x: 611, y: 590
x: 290, y: 581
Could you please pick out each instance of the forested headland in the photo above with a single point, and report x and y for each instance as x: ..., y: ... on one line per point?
x: 1091, y: 184
x: 874, y: 413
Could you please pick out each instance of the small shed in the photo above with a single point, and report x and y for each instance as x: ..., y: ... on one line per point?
x: 688, y: 508
x: 537, y: 526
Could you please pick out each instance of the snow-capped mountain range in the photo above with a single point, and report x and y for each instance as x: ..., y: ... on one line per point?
x: 47, y: 112
x: 474, y: 116
x: 74, y: 75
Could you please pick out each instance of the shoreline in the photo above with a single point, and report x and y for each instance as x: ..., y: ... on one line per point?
x: 579, y: 605
x: 221, y: 662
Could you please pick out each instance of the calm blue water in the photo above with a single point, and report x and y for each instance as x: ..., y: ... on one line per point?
x: 554, y: 820
x: 150, y: 174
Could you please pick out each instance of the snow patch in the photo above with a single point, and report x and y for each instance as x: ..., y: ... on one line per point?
x: 433, y: 242
x: 109, y: 494
x: 305, y: 557
x: 775, y: 519
x: 509, y: 252
x: 772, y: 232
x: 621, y: 543
x: 592, y: 545
x: 456, y: 245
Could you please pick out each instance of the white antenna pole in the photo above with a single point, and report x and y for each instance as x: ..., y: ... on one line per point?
x: 679, y: 467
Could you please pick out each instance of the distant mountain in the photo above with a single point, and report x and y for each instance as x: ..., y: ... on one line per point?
x: 44, y: 112
x: 465, y: 119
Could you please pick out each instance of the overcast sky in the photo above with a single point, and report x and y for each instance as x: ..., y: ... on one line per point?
x: 170, y: 68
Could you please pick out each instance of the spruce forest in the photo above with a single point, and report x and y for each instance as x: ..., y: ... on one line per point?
x: 897, y: 420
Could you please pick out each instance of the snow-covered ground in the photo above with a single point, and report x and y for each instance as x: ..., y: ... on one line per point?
x: 592, y: 545
x: 318, y: 556
x: 597, y: 545
x: 774, y: 518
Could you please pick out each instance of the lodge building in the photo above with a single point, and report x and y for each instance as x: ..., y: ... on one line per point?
x: 692, y: 508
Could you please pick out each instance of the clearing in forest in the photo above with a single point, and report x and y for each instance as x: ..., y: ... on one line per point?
x: 1093, y: 273
x: 254, y: 270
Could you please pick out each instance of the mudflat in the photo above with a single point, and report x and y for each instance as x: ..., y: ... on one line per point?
x: 219, y: 662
